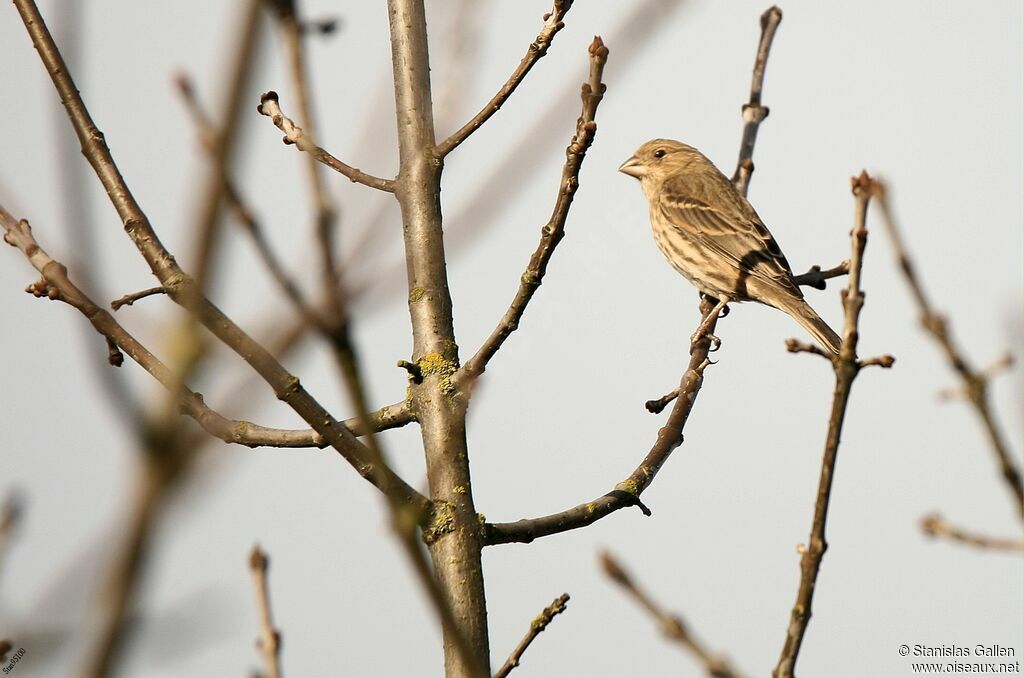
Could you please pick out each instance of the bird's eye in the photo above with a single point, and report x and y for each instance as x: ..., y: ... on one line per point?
x: 660, y: 153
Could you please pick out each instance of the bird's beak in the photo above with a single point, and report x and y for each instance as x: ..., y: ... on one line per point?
x: 634, y: 168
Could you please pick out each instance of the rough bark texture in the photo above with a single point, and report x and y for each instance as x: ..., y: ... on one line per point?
x: 454, y: 536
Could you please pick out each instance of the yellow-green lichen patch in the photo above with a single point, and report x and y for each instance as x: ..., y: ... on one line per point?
x: 459, y: 489
x: 442, y: 521
x: 435, y: 364
x: 628, y: 485
x: 417, y: 293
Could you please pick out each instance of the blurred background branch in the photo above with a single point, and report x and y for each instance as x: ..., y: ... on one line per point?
x: 671, y: 625
x: 975, y: 382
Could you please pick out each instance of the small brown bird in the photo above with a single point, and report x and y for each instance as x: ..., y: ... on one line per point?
x: 711, y: 234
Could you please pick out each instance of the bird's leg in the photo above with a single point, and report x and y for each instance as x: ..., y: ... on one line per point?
x: 704, y: 330
x: 725, y: 309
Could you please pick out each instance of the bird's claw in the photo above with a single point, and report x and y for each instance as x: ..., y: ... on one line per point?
x: 715, y: 342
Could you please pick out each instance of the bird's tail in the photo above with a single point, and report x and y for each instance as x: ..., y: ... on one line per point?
x: 819, y: 329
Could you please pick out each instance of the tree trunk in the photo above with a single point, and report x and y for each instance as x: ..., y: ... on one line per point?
x: 454, y: 537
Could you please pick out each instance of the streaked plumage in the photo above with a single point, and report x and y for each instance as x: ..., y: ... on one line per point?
x: 711, y: 234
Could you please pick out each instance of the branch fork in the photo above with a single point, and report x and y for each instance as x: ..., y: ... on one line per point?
x: 553, y: 23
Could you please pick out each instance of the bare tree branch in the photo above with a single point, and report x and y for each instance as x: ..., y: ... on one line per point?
x: 553, y: 231
x: 975, y: 382
x: 241, y: 211
x: 183, y: 289
x: 936, y: 526
x: 454, y: 536
x: 537, y: 627
x: 797, y: 346
x: 56, y: 284
x: 10, y: 514
x: 846, y: 367
x: 632, y: 34
x: 293, y: 134
x: 161, y: 467
x: 1000, y: 365
x: 671, y: 625
x: 129, y: 299
x: 753, y: 112
x: 224, y: 144
x: 165, y: 458
x: 815, y: 277
x: 627, y: 492
x: 335, y: 327
x: 538, y: 48
x: 269, y: 643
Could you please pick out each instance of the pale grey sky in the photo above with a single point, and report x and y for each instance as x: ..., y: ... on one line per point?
x: 928, y: 95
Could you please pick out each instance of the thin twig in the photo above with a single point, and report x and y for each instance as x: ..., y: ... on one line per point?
x: 129, y: 299
x: 56, y: 284
x: 458, y: 56
x: 269, y: 643
x: 797, y: 346
x: 658, y: 406
x: 538, y: 48
x: 885, y: 361
x: 815, y: 277
x: 270, y: 107
x: 163, y: 461
x: 626, y: 493
x: 330, y: 321
x: 180, y: 287
x: 10, y: 515
x: 398, y: 414
x: 224, y: 145
x: 164, y: 457
x: 632, y: 33
x: 554, y: 230
x: 846, y: 367
x: 671, y: 625
x: 241, y: 211
x: 79, y: 222
x: 332, y: 324
x: 753, y: 112
x: 335, y: 326
x: 1000, y: 365
x: 320, y: 27
x: 537, y: 627
x: 975, y: 382
x: 934, y: 525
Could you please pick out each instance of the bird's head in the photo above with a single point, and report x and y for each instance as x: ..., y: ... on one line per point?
x: 659, y: 158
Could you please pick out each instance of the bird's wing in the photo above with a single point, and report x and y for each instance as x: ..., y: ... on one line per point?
x: 736, y: 233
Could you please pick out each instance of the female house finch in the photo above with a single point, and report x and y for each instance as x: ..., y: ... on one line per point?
x: 711, y: 234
